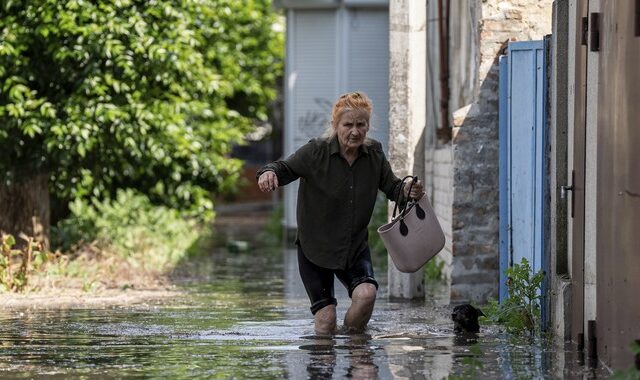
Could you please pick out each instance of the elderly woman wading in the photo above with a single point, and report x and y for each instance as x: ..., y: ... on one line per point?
x: 340, y: 176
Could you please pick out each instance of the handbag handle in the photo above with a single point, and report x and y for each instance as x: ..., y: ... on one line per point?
x: 395, y: 208
x: 419, y: 211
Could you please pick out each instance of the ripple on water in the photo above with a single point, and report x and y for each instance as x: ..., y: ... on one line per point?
x: 252, y: 321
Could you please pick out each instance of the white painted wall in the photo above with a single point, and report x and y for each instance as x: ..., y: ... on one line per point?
x: 407, y: 113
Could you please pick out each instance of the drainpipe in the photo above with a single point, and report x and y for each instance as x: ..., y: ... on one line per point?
x: 444, y: 132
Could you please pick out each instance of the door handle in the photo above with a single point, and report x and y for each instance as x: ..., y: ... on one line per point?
x: 563, y: 191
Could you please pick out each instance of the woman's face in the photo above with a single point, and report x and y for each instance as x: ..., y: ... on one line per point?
x: 352, y: 128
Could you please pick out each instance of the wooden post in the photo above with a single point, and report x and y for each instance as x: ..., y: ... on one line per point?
x: 407, y: 112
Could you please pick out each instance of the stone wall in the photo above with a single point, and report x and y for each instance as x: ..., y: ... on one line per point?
x: 407, y: 85
x: 475, y: 244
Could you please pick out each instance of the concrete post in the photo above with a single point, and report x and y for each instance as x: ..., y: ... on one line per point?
x: 407, y: 112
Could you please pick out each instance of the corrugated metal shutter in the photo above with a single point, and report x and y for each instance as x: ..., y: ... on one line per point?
x: 312, y: 85
x: 313, y: 75
x: 368, y: 64
x: 329, y: 52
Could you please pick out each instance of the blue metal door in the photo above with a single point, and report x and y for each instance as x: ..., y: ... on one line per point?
x: 522, y: 136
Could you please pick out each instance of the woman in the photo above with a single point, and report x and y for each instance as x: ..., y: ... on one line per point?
x: 339, y: 179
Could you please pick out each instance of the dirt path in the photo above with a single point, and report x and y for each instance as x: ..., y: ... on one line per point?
x: 233, y: 222
x: 77, y: 299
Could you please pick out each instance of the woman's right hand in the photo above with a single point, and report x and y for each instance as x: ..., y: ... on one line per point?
x: 268, y: 181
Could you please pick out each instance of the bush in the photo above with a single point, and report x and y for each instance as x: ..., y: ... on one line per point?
x: 129, y: 225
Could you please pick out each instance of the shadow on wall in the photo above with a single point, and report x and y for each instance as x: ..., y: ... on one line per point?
x: 475, y: 218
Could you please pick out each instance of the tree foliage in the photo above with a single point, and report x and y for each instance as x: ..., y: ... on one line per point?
x: 147, y: 94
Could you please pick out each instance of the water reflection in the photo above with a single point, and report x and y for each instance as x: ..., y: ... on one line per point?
x: 321, y: 359
x: 248, y: 317
x: 323, y: 355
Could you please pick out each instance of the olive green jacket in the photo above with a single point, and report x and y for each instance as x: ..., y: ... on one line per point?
x: 335, y: 199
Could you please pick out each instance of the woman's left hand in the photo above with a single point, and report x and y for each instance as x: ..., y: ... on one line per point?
x: 417, y: 190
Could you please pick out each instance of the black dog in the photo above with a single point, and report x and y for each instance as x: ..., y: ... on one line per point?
x: 465, y: 319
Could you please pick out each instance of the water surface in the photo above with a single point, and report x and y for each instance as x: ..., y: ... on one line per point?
x: 247, y: 316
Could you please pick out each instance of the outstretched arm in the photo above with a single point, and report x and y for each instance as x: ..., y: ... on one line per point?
x: 280, y: 173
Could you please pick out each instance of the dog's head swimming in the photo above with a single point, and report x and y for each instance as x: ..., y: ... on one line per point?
x: 465, y: 319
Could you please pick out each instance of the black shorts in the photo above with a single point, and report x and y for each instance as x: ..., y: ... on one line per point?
x: 318, y: 281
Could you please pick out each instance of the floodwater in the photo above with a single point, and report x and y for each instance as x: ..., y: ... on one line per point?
x: 247, y: 317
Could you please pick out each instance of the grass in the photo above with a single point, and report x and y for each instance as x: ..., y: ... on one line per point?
x: 17, y: 265
x: 125, y: 242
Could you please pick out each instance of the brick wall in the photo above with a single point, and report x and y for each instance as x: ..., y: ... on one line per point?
x: 442, y: 199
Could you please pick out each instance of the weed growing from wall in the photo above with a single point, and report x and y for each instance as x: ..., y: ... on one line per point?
x: 434, y: 270
x: 520, y: 312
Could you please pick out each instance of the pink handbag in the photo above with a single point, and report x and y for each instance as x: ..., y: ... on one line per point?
x: 414, y: 236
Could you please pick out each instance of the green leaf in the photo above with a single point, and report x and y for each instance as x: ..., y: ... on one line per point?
x: 9, y: 241
x: 154, y: 93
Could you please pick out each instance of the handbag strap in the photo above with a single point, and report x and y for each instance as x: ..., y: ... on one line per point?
x: 395, y: 208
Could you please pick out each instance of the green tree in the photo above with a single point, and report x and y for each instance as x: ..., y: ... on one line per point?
x: 147, y: 94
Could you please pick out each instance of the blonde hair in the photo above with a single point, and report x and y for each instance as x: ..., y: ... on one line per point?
x: 350, y: 101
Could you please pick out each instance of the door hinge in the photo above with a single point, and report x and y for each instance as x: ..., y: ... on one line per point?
x: 637, y: 26
x: 585, y: 31
x: 594, y: 44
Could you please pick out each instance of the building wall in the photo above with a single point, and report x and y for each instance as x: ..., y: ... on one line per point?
x: 463, y: 86
x: 463, y: 71
x: 442, y: 200
x: 474, y: 208
x: 464, y: 53
x: 591, y: 172
x: 407, y: 88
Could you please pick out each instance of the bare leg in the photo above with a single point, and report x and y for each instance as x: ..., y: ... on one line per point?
x: 325, y: 320
x: 362, y: 300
